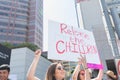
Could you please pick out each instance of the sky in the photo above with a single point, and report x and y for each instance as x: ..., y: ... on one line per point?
x: 62, y: 11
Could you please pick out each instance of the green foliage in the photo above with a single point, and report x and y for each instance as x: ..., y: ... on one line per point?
x: 29, y: 45
x: 9, y: 45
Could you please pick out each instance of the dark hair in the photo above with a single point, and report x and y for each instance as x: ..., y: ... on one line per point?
x: 111, y: 77
x: 78, y: 77
x: 51, y: 71
x: 5, y: 67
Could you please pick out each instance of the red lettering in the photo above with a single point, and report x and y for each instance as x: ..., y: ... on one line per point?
x: 69, y: 30
x: 63, y: 28
x: 75, y: 46
x: 83, y: 49
x: 68, y: 46
x: 57, y: 47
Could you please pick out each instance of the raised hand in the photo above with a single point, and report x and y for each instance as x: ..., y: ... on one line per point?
x: 82, y: 60
x: 32, y: 68
x: 38, y: 52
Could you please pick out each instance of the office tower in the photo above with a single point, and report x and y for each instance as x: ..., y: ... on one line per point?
x: 21, y: 21
x: 101, y: 20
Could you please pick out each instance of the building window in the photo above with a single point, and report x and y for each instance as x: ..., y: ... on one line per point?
x: 4, y: 14
x: 24, y: 1
x: 3, y: 24
x: 119, y: 15
x: 20, y: 25
x: 21, y: 17
x: 4, y: 8
x: 5, y: 3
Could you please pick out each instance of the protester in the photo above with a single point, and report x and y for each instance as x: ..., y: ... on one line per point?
x: 4, y: 72
x: 84, y: 74
x: 81, y: 75
x: 54, y: 72
x: 110, y: 75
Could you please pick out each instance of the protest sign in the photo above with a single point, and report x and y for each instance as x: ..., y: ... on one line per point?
x: 66, y: 42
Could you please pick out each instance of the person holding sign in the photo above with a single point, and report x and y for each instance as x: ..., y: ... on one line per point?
x: 54, y: 72
x: 84, y: 74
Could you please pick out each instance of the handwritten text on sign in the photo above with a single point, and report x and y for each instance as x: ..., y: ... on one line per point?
x: 76, y: 43
x: 67, y: 43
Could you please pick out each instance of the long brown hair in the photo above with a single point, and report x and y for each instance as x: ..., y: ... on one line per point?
x: 51, y: 71
x: 78, y: 77
x: 112, y: 77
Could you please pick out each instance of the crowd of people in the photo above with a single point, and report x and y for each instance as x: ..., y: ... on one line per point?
x: 85, y: 73
x: 56, y: 71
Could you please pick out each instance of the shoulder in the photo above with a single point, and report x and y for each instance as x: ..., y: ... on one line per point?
x: 37, y: 78
x: 95, y: 79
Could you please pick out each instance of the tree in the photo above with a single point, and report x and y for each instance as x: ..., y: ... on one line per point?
x: 12, y: 46
x: 9, y: 45
x: 29, y: 45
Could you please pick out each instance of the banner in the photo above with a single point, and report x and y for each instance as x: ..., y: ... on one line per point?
x: 66, y: 42
x: 5, y: 54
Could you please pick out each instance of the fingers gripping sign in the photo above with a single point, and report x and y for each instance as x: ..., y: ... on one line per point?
x: 79, y: 61
x: 82, y: 60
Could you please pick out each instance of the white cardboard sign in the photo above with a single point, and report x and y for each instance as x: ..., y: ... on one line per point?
x: 67, y: 43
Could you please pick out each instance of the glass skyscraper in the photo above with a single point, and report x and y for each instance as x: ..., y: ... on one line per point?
x: 21, y: 21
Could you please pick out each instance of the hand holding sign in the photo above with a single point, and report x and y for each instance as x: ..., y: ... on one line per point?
x: 82, y: 60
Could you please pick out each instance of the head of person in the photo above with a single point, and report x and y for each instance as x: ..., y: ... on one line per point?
x: 55, y: 72
x: 4, y: 72
x: 110, y: 75
x: 81, y: 75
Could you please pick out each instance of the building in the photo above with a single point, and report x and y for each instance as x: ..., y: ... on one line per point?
x: 5, y: 54
x: 21, y: 59
x: 114, y: 9
x: 100, y: 22
x: 21, y: 21
x: 112, y: 15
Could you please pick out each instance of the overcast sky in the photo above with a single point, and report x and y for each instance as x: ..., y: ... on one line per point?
x: 60, y: 11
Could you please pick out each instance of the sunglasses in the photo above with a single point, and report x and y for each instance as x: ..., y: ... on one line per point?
x: 60, y: 68
x: 82, y: 74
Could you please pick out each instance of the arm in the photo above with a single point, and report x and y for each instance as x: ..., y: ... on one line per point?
x: 100, y: 75
x: 76, y: 71
x: 87, y: 75
x: 84, y: 63
x: 32, y: 68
